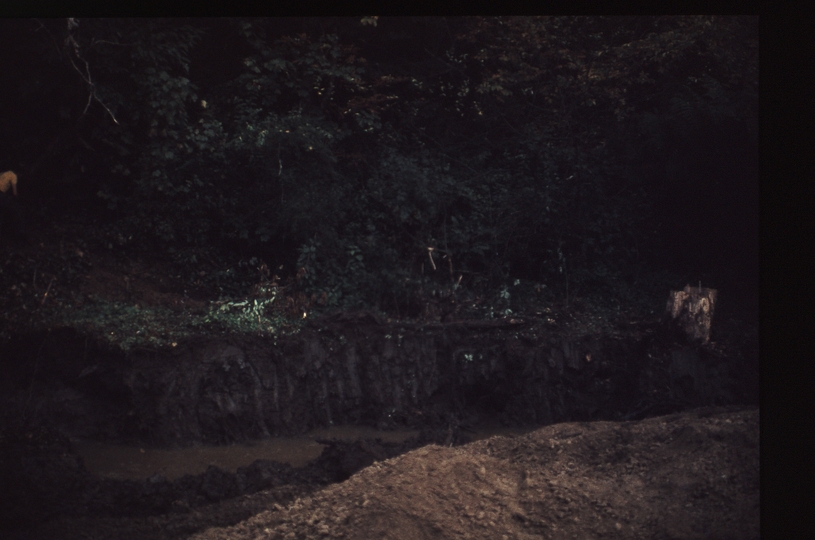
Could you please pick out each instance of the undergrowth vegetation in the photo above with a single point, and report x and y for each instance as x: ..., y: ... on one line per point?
x: 422, y: 168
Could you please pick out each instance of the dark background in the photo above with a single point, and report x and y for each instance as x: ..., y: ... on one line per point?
x: 581, y: 153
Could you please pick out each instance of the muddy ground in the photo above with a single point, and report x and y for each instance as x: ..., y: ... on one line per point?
x: 687, y: 475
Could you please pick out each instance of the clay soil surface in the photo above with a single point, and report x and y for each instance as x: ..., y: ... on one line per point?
x: 690, y: 475
x: 687, y: 475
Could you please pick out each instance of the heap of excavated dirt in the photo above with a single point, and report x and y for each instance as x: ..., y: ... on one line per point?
x: 689, y: 475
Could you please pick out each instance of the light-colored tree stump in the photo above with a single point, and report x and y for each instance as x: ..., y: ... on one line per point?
x: 692, y: 310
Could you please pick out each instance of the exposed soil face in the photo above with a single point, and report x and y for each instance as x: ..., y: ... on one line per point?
x: 623, y: 472
x: 356, y: 369
x: 687, y: 475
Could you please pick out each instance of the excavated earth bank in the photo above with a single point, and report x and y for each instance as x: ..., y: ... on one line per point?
x: 354, y: 369
x: 622, y: 479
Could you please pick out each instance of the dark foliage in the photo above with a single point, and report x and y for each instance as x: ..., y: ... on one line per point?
x: 392, y: 160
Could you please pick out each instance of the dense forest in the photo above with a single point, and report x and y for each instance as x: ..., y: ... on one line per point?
x: 382, y: 162
x: 241, y: 230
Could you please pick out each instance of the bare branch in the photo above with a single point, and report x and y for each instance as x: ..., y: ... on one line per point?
x: 71, y: 42
x: 56, y: 45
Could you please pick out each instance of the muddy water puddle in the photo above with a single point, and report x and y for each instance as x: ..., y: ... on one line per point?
x: 135, y: 463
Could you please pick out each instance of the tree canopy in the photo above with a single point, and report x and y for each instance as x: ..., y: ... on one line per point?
x: 382, y: 159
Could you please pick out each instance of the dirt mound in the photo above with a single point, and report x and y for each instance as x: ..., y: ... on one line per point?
x: 691, y: 475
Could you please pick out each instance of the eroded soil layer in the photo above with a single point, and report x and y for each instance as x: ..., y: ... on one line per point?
x: 355, y: 369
